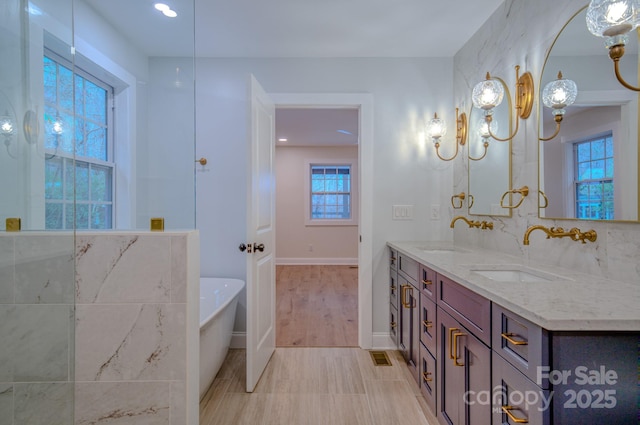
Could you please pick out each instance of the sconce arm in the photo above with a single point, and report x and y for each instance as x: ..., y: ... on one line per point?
x: 558, y: 119
x: 488, y: 119
x: 615, y: 53
x: 486, y: 146
x: 437, y: 145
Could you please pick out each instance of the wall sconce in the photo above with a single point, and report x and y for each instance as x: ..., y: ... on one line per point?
x: 613, y: 20
x: 557, y: 95
x: 437, y: 128
x: 485, y: 129
x: 489, y: 93
x: 7, y: 130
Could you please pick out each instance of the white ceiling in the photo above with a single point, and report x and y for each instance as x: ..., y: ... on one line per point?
x: 300, y: 28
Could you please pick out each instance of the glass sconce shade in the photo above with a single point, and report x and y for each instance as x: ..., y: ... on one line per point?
x: 436, y: 128
x: 613, y: 19
x: 559, y: 94
x: 487, y: 94
x: 57, y: 127
x: 6, y: 125
x: 484, y: 126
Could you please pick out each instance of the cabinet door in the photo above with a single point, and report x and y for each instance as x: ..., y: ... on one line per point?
x: 450, y: 376
x: 464, y: 374
x: 428, y: 282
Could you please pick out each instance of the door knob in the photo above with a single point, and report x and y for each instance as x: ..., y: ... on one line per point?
x: 258, y: 247
x: 242, y: 247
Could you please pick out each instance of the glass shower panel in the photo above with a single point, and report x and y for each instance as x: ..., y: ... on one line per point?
x: 36, y: 268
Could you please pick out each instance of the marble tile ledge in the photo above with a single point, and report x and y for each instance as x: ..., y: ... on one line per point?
x: 554, y: 298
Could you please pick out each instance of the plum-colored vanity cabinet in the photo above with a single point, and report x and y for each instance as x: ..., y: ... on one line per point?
x: 409, y: 313
x: 567, y: 378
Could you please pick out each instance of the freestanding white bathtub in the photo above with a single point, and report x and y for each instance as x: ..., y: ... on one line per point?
x: 218, y: 302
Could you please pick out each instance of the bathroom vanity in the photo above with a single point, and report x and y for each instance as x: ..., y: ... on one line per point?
x: 491, y: 340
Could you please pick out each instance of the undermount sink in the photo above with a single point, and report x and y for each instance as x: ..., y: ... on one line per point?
x: 514, y: 274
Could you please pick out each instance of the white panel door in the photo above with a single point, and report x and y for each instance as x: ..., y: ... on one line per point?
x: 261, y: 289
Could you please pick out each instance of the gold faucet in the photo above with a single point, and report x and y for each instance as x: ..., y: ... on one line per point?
x: 476, y: 224
x: 558, y: 232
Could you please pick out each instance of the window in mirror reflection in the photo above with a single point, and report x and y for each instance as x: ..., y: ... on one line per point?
x: 594, y: 184
x: 77, y: 120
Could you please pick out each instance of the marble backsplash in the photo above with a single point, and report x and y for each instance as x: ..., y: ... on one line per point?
x: 98, y: 330
x: 520, y: 33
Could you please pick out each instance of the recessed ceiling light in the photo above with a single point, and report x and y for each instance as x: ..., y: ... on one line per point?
x: 161, y: 7
x: 344, y: 132
x: 170, y: 13
x: 282, y: 139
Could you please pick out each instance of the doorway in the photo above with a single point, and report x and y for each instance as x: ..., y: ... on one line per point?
x: 364, y: 105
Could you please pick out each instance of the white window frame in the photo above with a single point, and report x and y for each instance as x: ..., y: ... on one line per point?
x: 574, y: 155
x: 353, y: 221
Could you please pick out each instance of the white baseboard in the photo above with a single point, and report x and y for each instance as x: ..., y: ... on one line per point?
x: 382, y: 341
x: 316, y: 261
x: 238, y: 340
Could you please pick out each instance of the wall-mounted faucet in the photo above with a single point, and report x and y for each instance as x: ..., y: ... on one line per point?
x: 477, y: 224
x: 558, y: 232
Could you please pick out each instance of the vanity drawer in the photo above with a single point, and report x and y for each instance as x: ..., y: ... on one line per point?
x: 473, y: 311
x: 428, y: 323
x: 428, y: 377
x: 393, y: 259
x: 427, y: 283
x: 520, y: 342
x: 514, y: 391
x: 408, y: 266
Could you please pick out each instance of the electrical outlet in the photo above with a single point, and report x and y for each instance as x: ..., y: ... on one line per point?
x: 435, y: 212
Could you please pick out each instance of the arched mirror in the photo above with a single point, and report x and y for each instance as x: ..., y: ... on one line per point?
x: 489, y: 159
x: 589, y: 171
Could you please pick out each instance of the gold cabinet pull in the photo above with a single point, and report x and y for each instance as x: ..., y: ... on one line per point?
x: 507, y: 410
x: 403, y: 297
x: 427, y: 323
x: 451, y: 332
x: 426, y: 375
x: 393, y: 325
x: 393, y: 287
x: 509, y: 337
x: 455, y: 348
x: 427, y: 282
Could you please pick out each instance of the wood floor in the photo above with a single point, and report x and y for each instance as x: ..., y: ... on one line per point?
x: 316, y: 306
x: 316, y: 386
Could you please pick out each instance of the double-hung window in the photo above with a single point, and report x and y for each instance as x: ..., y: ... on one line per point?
x: 594, y: 178
x: 331, y: 194
x: 79, y: 169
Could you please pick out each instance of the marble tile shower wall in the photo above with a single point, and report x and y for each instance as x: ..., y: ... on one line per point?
x: 93, y: 331
x: 520, y: 33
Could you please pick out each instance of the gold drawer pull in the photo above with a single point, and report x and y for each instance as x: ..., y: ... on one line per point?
x: 425, y: 377
x: 427, y: 282
x: 507, y: 410
x: 427, y: 323
x: 393, y: 287
x: 509, y: 337
x: 393, y: 325
x: 451, y: 332
x: 455, y: 348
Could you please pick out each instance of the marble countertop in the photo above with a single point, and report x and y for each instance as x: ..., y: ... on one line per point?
x: 557, y: 299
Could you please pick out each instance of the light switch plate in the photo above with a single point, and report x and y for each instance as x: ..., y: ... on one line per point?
x: 402, y: 212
